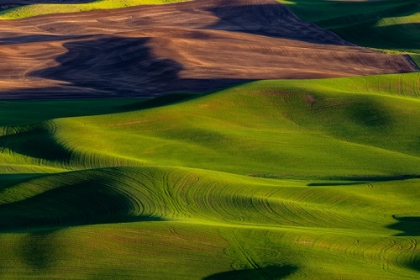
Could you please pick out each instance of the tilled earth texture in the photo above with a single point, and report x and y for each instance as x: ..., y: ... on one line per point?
x: 197, y: 46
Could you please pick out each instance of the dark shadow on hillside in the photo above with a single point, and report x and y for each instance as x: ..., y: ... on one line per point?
x: 400, y: 36
x: 404, y: 8
x: 84, y: 203
x: 408, y: 225
x: 10, y: 180
x: 124, y: 67
x: 340, y: 180
x: 336, y: 184
x: 59, y: 109
x: 415, y: 264
x: 32, y: 39
x: 37, y: 142
x: 357, y: 180
x: 160, y: 101
x: 116, y: 64
x: 272, y: 272
x: 273, y: 20
x: 39, y: 250
x: 72, y: 92
x: 3, y: 268
x: 369, y: 114
x: 404, y: 37
x: 111, y: 66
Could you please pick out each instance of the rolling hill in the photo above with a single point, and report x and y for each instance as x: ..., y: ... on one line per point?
x: 257, y: 181
x: 389, y: 25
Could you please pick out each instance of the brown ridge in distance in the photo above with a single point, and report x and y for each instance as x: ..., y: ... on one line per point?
x: 196, y: 46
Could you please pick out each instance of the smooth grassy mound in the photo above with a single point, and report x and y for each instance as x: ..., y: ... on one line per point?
x: 45, y: 9
x: 387, y: 24
x: 314, y: 179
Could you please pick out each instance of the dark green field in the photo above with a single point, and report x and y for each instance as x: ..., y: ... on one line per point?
x: 387, y: 25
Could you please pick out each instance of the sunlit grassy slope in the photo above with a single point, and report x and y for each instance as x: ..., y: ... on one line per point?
x: 45, y: 9
x: 269, y: 180
x: 393, y: 25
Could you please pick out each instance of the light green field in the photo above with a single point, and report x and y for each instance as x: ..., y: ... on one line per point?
x: 45, y: 9
x: 315, y: 179
x: 389, y: 25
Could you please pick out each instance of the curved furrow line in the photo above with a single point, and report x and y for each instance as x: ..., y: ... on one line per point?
x: 213, y: 200
x: 240, y: 204
x: 79, y: 198
x: 93, y: 152
x: 306, y: 214
x: 36, y: 141
x: 178, y: 185
x: 291, y: 227
x: 143, y: 188
x: 171, y: 194
x: 335, y: 247
x: 183, y: 184
x: 282, y: 215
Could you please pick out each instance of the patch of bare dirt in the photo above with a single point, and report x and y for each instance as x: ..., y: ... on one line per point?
x: 310, y: 99
x: 196, y: 46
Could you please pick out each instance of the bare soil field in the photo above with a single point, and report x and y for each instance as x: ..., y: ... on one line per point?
x: 198, y: 46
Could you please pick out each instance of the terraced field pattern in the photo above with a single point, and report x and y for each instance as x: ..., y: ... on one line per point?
x: 210, y: 139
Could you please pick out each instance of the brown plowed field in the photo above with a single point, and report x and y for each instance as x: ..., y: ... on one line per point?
x: 197, y: 46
